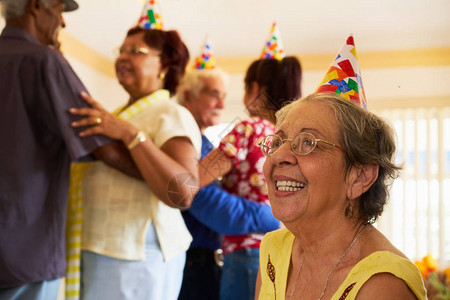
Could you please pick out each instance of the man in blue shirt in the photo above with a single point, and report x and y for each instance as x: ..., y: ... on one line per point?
x: 214, y: 211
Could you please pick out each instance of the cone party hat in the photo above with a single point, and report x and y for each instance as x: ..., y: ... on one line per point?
x: 206, y: 60
x: 150, y: 17
x: 343, y: 77
x: 273, y: 48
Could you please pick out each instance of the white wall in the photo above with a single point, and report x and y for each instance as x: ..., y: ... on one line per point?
x: 104, y: 89
x: 415, y: 83
x: 399, y: 83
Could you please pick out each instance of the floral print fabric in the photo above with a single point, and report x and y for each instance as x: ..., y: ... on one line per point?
x: 246, y: 178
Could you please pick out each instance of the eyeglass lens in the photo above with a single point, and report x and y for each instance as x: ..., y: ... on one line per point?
x: 132, y: 51
x: 301, y: 144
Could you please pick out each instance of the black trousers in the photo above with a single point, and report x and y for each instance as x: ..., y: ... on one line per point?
x: 201, y: 279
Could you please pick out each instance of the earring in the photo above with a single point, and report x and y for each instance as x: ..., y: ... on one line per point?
x: 162, y: 76
x: 349, y: 210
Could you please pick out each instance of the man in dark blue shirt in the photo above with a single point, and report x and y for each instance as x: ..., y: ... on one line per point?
x: 214, y: 211
x: 37, y: 88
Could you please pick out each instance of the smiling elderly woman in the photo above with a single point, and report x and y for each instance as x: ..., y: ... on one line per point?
x: 134, y: 238
x: 328, y: 170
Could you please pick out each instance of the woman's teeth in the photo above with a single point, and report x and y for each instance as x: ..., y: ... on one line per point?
x: 290, y: 186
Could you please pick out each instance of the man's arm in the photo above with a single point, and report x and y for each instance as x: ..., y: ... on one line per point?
x: 229, y: 214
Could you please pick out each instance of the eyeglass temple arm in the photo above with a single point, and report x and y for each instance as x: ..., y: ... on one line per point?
x: 329, y: 143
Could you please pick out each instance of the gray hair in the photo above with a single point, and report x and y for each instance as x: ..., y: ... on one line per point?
x: 16, y: 8
x: 367, y: 139
x: 193, y: 82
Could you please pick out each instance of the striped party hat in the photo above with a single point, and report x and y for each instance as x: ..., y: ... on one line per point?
x: 273, y: 48
x: 150, y: 16
x: 343, y: 77
x: 206, y: 60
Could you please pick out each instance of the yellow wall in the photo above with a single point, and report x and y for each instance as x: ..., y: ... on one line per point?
x: 392, y: 79
x: 310, y: 62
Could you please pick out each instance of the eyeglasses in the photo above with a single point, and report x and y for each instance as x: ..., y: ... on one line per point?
x: 132, y: 51
x: 214, y: 94
x: 301, y: 144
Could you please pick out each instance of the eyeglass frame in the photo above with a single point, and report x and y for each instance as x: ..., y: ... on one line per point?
x: 133, y: 51
x: 213, y: 93
x: 316, y: 140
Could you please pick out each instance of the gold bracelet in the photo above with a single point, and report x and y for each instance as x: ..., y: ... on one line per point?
x: 139, y: 138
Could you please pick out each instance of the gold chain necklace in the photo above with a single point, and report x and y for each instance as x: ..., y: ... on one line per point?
x: 296, y: 278
x: 331, y: 271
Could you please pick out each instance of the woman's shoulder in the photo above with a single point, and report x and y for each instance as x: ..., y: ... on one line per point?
x: 167, y: 110
x: 389, y: 286
x: 384, y: 271
x: 169, y: 105
x: 373, y: 241
x: 385, y: 259
x: 165, y: 119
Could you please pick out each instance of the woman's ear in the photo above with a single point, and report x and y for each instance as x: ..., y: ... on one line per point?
x: 187, y: 97
x: 162, y: 73
x: 254, y: 89
x: 360, y: 179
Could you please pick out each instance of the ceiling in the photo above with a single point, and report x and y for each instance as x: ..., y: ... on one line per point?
x: 240, y: 27
x: 403, y: 45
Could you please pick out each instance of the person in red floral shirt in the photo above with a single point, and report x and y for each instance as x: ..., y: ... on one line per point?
x: 269, y: 84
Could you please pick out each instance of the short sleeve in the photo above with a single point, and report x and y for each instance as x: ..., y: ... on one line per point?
x: 174, y: 120
x: 64, y: 92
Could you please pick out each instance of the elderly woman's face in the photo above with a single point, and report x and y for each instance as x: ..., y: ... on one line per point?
x: 138, y: 66
x: 319, y: 188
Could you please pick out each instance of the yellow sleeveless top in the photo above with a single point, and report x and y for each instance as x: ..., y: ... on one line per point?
x: 275, y: 255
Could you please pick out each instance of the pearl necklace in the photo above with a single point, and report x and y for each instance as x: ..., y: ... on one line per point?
x: 331, y: 271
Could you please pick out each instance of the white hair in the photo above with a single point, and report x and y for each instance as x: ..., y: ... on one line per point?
x: 194, y: 81
x: 16, y: 8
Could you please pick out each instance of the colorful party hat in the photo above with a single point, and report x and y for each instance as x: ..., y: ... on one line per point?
x: 343, y: 77
x: 273, y: 49
x: 206, y: 60
x: 150, y: 17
